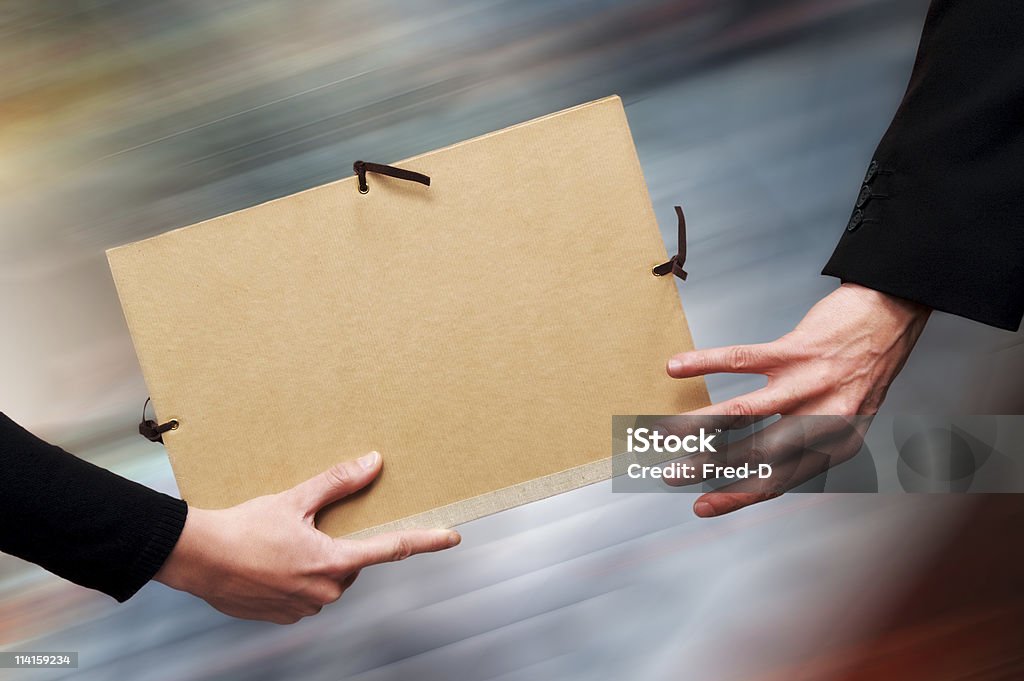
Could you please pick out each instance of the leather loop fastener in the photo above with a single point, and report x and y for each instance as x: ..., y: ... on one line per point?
x: 675, y: 263
x: 153, y: 431
x: 363, y: 167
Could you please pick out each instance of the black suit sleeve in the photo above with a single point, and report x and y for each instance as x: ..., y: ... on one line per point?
x: 940, y: 218
x: 80, y: 521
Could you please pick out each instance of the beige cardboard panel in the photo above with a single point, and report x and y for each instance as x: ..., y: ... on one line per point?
x: 479, y: 333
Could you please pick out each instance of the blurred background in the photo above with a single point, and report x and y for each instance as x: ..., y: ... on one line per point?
x: 120, y: 120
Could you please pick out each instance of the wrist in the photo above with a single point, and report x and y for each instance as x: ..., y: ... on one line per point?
x: 186, y: 557
x: 904, y: 312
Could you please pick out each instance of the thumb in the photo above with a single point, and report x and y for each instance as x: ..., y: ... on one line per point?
x: 336, y: 482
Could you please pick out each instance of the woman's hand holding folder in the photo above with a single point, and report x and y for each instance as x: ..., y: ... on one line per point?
x: 265, y: 559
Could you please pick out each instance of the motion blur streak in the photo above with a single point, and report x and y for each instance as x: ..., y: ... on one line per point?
x: 120, y: 120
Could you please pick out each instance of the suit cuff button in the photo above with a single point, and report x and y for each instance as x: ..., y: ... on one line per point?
x: 864, y: 196
x: 855, y: 220
x: 872, y: 172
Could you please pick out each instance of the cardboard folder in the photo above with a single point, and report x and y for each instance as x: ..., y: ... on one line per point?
x: 479, y: 332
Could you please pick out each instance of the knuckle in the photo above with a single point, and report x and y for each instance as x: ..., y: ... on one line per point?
x: 773, y: 489
x: 665, y: 428
x: 847, y: 405
x: 740, y: 357
x: 326, y: 592
x: 354, y: 562
x: 332, y: 594
x: 402, y: 549
x: 758, y: 455
x: 338, y: 475
x: 739, y: 408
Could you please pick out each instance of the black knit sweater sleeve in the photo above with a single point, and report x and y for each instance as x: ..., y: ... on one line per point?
x: 80, y: 521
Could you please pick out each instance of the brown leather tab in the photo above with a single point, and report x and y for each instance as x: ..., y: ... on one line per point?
x: 153, y: 431
x: 363, y: 167
x: 675, y: 263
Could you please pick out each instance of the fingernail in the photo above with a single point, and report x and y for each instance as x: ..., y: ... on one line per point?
x: 368, y: 461
x: 704, y: 510
x: 675, y: 366
x: 454, y: 538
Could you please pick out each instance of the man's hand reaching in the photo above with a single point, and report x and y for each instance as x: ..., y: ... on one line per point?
x: 265, y: 560
x: 839, y: 361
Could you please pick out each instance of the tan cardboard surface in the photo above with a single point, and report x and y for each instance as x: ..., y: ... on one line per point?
x: 479, y: 333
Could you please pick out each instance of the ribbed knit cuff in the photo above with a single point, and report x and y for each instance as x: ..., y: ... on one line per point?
x: 168, y: 522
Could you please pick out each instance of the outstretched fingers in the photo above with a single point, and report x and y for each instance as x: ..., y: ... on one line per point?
x: 395, y: 546
x: 734, y: 359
